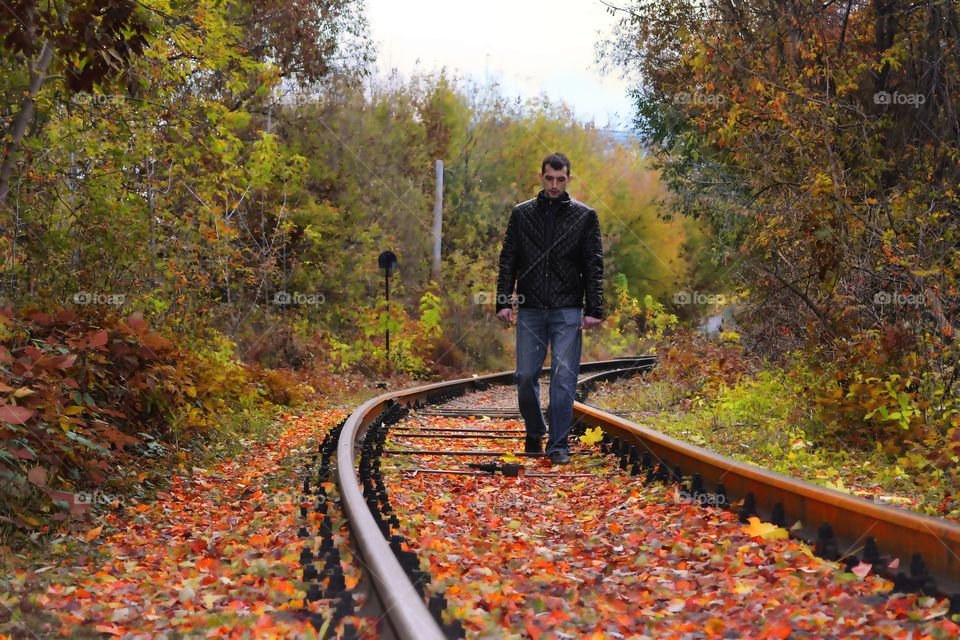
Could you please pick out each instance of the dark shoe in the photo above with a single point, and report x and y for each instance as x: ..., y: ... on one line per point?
x: 533, y: 445
x: 559, y: 456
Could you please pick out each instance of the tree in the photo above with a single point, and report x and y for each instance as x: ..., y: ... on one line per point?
x: 820, y: 142
x: 92, y: 42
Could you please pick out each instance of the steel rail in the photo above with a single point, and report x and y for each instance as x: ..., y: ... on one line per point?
x: 406, y: 613
x: 899, y: 533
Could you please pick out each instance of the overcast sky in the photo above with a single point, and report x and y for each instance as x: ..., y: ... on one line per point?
x: 509, y: 41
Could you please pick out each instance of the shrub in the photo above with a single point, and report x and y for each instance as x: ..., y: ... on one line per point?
x: 86, y: 397
x: 699, y: 365
x: 870, y: 394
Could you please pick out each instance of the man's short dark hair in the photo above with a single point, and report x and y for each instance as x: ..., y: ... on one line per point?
x: 556, y: 161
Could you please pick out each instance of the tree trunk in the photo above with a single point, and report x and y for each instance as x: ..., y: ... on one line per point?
x: 37, y: 76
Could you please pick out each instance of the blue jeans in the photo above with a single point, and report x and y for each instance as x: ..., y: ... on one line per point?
x: 560, y: 328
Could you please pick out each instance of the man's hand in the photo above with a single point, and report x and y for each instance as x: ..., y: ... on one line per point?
x: 589, y: 321
x: 506, y: 314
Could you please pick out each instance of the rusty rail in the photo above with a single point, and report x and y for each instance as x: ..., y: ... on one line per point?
x: 406, y: 613
x: 899, y: 533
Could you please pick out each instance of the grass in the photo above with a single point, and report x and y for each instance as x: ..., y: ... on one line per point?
x: 766, y: 420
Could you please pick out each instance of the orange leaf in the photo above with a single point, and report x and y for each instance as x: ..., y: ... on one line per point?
x: 258, y: 539
x: 110, y: 628
x: 207, y: 564
x: 92, y: 534
x: 282, y: 586
x: 532, y: 630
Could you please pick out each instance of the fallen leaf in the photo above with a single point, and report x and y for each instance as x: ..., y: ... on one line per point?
x: 89, y: 536
x: 765, y: 530
x: 592, y: 436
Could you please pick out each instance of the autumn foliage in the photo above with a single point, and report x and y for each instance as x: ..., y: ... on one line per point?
x: 87, y: 400
x: 819, y: 142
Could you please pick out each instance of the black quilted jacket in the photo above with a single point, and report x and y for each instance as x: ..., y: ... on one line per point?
x: 552, y: 274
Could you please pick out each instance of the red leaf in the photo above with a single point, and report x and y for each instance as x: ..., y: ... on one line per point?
x: 97, y: 339
x: 37, y: 475
x: 862, y: 569
x: 64, y: 362
x: 136, y: 322
x: 41, y: 319
x: 15, y: 415
x: 32, y: 352
x: 62, y: 496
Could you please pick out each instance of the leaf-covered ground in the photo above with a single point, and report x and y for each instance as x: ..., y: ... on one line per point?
x: 214, y: 556
x: 610, y: 557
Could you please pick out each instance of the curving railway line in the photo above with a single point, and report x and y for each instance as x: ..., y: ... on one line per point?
x: 917, y: 553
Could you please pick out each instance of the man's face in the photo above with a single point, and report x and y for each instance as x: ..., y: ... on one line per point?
x: 554, y: 181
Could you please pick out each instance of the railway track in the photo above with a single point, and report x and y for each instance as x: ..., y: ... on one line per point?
x: 917, y: 553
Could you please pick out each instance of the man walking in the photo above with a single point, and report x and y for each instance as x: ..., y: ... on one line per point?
x: 553, y: 251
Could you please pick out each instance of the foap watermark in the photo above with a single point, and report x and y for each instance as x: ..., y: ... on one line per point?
x: 699, y: 497
x: 99, y: 99
x: 98, y: 497
x: 95, y: 297
x: 297, y: 100
x: 899, y: 299
x: 488, y: 297
x: 294, y: 498
x: 297, y: 298
x: 912, y: 99
x: 698, y: 98
x: 699, y: 297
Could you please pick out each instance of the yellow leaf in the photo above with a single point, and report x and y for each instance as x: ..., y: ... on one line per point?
x: 838, y: 485
x: 73, y: 410
x: 22, y: 391
x: 592, y: 436
x: 210, y: 600
x: 510, y: 458
x: 742, y: 588
x: 30, y: 520
x: 765, y: 530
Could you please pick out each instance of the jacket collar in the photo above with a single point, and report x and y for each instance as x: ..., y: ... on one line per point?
x: 542, y: 199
